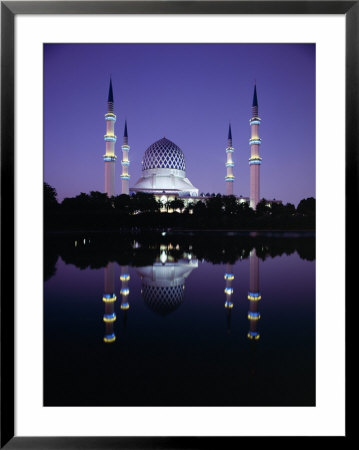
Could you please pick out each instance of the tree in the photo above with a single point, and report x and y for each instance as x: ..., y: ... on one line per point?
x: 230, y: 204
x: 177, y: 203
x: 306, y: 207
x: 289, y: 209
x: 214, y: 205
x: 50, y: 197
x: 122, y: 203
x: 143, y: 202
x: 262, y: 209
x: 199, y: 208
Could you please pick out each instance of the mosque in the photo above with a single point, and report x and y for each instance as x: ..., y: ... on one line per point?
x: 164, y: 167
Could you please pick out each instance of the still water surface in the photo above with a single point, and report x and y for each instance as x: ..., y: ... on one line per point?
x: 160, y: 325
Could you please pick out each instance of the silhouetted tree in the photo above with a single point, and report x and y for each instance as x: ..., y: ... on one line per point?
x: 262, y: 209
x: 214, y: 205
x: 144, y: 202
x: 123, y: 203
x: 306, y: 206
x: 50, y: 197
x: 230, y: 205
x: 177, y: 203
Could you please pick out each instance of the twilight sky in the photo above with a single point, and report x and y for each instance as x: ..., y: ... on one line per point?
x: 188, y: 93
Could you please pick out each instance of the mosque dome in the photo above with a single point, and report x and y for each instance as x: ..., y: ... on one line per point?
x: 163, y: 154
x: 164, y: 171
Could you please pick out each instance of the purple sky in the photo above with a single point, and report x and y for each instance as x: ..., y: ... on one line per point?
x: 188, y: 93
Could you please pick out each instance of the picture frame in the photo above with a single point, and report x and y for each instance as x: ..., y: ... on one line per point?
x: 9, y: 9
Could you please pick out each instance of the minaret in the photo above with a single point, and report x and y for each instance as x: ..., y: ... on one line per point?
x: 229, y: 164
x: 229, y: 277
x: 109, y: 299
x: 125, y: 177
x: 110, y: 139
x: 255, y: 160
x: 253, y: 295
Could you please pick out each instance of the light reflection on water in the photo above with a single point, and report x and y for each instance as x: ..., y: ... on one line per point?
x: 181, y: 331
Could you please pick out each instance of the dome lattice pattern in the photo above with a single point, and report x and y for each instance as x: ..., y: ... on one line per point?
x: 163, y: 300
x: 163, y: 154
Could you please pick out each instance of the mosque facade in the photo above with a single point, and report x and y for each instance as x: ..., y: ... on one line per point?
x: 164, y: 166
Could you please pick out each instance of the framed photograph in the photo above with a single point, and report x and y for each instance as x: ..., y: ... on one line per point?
x: 175, y: 187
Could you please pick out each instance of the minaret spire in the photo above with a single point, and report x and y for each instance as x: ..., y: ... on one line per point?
x: 109, y: 157
x: 255, y: 160
x: 110, y: 93
x: 229, y: 132
x: 125, y: 176
x: 125, y: 135
x: 229, y: 164
x: 255, y: 99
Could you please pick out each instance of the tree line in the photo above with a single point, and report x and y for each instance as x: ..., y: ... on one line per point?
x: 97, y: 211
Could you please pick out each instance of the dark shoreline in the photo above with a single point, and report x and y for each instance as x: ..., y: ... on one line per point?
x: 181, y: 231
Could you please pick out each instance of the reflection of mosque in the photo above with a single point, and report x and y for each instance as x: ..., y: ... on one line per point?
x: 162, y: 288
x: 163, y: 283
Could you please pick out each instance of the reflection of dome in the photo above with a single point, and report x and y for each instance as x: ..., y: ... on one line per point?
x: 163, y: 154
x: 164, y: 171
x: 161, y: 299
x: 163, y: 284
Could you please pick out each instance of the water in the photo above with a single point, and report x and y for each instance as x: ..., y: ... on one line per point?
x: 200, y: 321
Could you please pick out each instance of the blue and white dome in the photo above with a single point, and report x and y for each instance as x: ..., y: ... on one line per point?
x: 164, y: 171
x: 163, y: 154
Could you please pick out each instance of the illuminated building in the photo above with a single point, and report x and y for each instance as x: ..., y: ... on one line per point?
x: 164, y: 172
x: 253, y: 296
x: 255, y: 160
x: 125, y: 177
x: 110, y: 139
x: 164, y: 167
x: 109, y: 298
x: 163, y: 283
x: 229, y: 164
x: 229, y: 277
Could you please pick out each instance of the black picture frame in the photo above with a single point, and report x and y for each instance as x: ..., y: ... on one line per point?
x: 9, y: 9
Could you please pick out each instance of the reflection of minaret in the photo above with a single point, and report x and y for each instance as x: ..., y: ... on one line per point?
x: 163, y: 283
x: 125, y: 177
x: 253, y: 295
x: 109, y: 157
x: 229, y: 164
x: 229, y: 277
x: 109, y: 298
x: 125, y: 291
x: 255, y: 160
